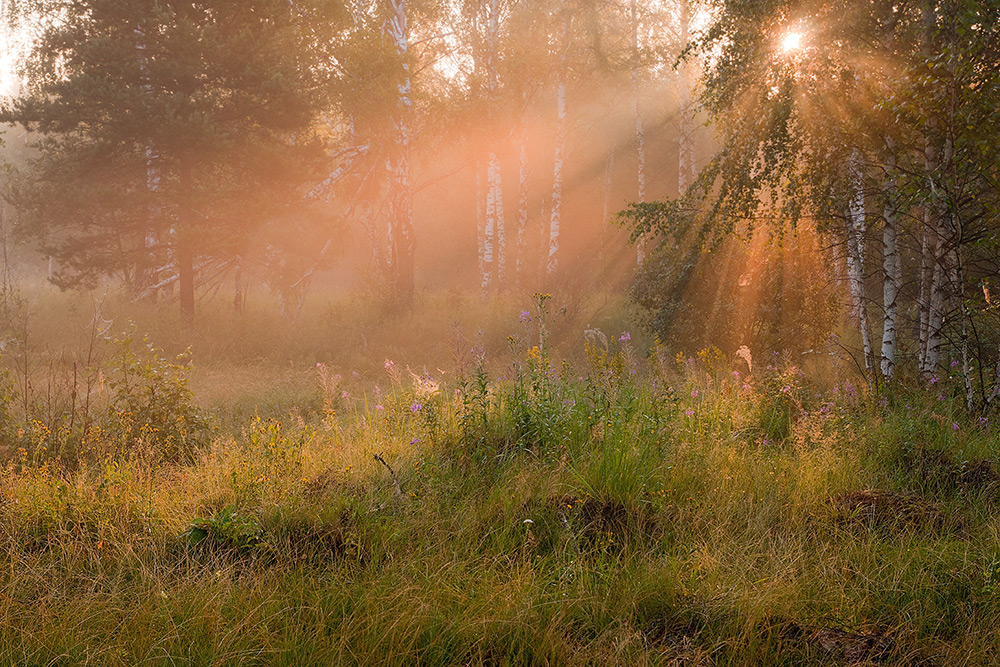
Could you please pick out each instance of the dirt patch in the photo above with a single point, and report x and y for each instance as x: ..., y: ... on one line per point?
x: 888, y: 509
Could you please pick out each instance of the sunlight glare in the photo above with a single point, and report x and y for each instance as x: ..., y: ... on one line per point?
x: 792, y: 41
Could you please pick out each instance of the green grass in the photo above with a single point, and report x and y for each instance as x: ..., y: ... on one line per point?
x: 546, y: 513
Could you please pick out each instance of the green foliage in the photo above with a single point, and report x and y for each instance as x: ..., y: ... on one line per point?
x: 168, y: 138
x: 152, y: 406
x: 225, y: 530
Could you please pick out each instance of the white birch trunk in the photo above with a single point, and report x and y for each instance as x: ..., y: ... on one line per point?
x: 560, y: 157
x: 892, y: 271
x: 856, y: 230
x: 942, y: 270
x: 640, y: 134
x: 494, y: 176
x: 496, y: 196
x: 557, y: 176
x: 686, y: 156
x: 489, y: 231
x: 522, y: 195
x: 935, y: 318
x: 401, y: 195
x: 928, y: 249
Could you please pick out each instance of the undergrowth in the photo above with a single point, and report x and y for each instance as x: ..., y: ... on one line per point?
x: 631, y: 508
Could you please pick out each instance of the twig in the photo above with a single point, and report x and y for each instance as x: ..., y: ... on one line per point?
x: 395, y: 480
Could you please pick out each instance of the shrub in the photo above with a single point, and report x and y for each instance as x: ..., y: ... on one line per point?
x: 151, y: 403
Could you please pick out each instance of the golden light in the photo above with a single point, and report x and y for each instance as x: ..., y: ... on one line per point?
x: 792, y: 41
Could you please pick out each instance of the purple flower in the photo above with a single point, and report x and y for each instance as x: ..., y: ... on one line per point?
x: 954, y: 363
x: 624, y: 337
x: 525, y: 317
x: 689, y: 412
x: 694, y: 393
x: 344, y: 394
x: 415, y: 441
x: 736, y: 375
x: 380, y: 407
x: 416, y: 407
x: 954, y: 427
x: 934, y: 379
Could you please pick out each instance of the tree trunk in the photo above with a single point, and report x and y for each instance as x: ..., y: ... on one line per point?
x: 856, y: 230
x: 892, y: 269
x: 185, y: 270
x: 185, y: 252
x: 686, y: 157
x: 489, y: 231
x: 560, y: 157
x: 494, y: 175
x: 401, y: 191
x: 522, y: 195
x: 640, y: 135
x: 484, y: 270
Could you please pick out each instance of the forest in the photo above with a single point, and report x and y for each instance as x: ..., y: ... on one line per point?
x: 491, y: 332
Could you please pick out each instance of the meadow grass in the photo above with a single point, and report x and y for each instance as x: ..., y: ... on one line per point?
x: 605, y: 507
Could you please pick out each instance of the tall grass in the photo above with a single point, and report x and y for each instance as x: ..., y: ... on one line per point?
x: 610, y: 508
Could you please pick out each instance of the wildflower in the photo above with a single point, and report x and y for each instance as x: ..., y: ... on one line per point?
x: 416, y: 407
x: 934, y: 379
x: 525, y: 317
x: 954, y: 363
x: 624, y: 337
x: 736, y: 375
x: 694, y: 393
x: 415, y: 441
x: 689, y: 412
x: 954, y: 426
x: 380, y: 407
x: 344, y: 394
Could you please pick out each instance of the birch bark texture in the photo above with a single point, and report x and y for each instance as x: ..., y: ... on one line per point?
x: 400, y: 189
x: 555, y: 219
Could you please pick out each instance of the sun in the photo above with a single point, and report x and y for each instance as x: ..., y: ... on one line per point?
x: 792, y: 41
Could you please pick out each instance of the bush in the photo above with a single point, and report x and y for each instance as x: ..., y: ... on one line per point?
x: 151, y: 404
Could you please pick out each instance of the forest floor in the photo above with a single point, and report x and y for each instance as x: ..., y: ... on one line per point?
x: 612, y: 507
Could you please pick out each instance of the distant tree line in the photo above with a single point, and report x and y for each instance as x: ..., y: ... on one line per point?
x: 176, y: 142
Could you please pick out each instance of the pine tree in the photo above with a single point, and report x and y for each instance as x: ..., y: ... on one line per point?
x: 166, y: 132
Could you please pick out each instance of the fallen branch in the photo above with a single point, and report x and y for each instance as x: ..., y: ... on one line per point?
x: 395, y: 480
